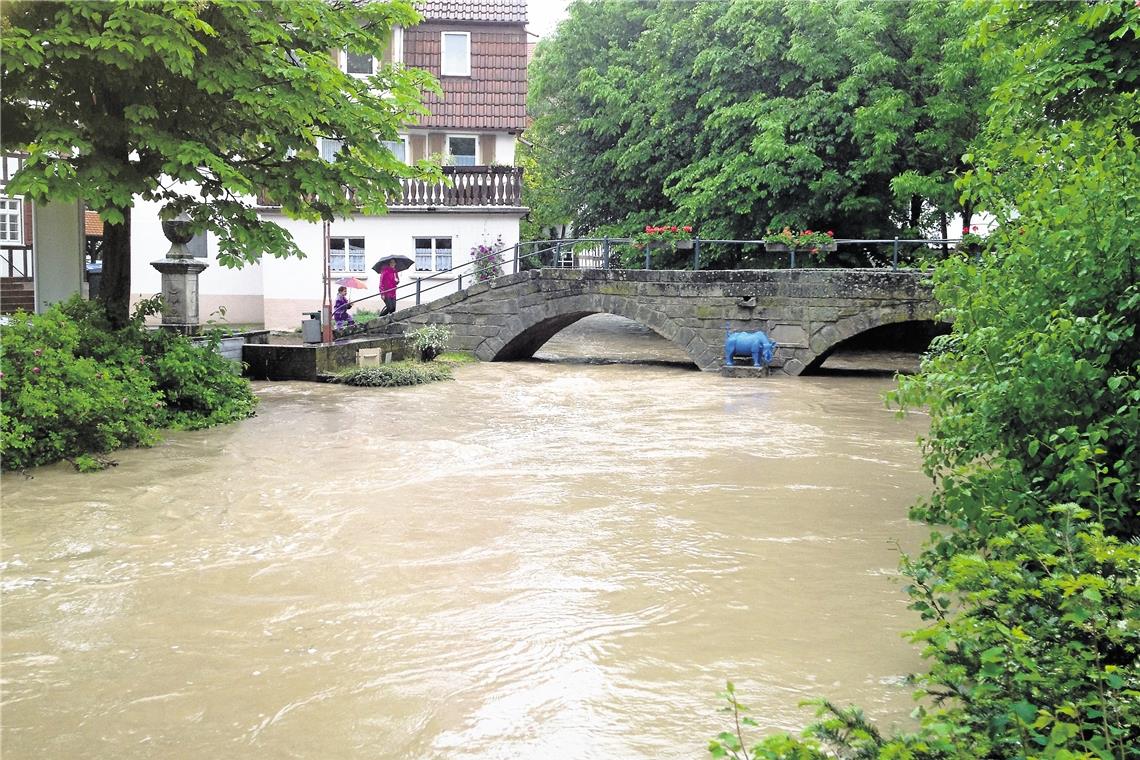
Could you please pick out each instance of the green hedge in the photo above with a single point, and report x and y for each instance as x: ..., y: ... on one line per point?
x: 72, y: 388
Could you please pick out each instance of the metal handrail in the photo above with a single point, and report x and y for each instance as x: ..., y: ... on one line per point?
x: 541, y: 247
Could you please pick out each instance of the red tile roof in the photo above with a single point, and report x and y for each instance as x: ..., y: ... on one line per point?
x: 493, y: 97
x: 92, y: 224
x: 495, y: 11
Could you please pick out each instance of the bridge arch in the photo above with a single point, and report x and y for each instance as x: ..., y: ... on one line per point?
x: 525, y: 333
x: 831, y: 336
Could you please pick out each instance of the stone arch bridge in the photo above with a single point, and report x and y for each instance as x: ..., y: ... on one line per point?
x: 807, y: 311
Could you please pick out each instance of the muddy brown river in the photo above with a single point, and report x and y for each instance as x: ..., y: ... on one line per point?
x: 548, y: 559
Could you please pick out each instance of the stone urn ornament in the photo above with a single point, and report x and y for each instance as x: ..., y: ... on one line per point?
x: 179, y: 231
x: 180, y: 272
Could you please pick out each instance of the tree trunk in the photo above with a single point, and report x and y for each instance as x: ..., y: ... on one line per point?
x: 115, y: 289
x: 915, y: 212
x: 943, y: 226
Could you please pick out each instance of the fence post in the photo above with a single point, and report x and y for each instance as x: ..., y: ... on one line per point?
x: 460, y: 282
x: 696, y: 253
x: 792, y: 258
x: 418, y: 284
x: 647, y: 249
x: 557, y: 262
x: 606, y: 253
x: 895, y: 254
x: 517, y: 252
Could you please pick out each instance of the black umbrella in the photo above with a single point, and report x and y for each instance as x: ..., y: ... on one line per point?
x: 401, y: 261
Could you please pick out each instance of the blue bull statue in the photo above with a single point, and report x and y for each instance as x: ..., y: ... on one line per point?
x: 755, y: 344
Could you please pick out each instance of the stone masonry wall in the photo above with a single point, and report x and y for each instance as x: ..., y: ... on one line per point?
x: 807, y: 311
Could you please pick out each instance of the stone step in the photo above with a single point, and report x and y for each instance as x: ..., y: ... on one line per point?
x: 17, y: 293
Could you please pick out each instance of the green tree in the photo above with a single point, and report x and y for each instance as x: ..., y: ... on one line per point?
x: 582, y: 106
x: 737, y: 115
x: 203, y: 106
x: 1030, y: 588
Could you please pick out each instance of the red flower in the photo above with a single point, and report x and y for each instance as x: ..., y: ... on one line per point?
x: 648, y: 229
x: 687, y: 228
x: 807, y: 232
x: 965, y: 230
x: 831, y: 233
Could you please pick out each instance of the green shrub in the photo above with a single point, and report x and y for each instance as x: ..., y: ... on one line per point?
x: 395, y: 374
x: 58, y: 400
x: 200, y: 387
x: 428, y: 341
x: 73, y: 388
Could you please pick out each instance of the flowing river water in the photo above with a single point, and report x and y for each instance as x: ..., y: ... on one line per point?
x: 549, y: 559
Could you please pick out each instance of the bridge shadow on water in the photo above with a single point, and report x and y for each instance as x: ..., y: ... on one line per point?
x: 603, y: 339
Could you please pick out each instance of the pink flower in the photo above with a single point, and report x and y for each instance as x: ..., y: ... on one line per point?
x: 831, y: 233
x: 965, y: 230
x: 687, y: 228
x: 142, y: 360
x: 36, y: 370
x: 648, y: 229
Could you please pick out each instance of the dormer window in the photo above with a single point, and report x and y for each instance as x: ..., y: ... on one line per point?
x: 358, y: 63
x: 455, y: 60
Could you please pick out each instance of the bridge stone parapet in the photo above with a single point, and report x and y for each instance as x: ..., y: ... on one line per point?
x: 807, y: 311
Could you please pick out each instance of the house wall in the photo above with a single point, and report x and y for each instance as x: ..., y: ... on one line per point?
x: 293, y: 287
x: 278, y: 292
x: 59, y: 271
x: 238, y: 290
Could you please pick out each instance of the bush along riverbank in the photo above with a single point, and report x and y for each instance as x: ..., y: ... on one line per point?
x: 72, y: 388
x: 1029, y: 587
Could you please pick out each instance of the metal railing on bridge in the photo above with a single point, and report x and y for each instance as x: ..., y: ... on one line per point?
x: 619, y: 253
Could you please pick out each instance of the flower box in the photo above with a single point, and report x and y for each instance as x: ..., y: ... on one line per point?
x: 784, y: 247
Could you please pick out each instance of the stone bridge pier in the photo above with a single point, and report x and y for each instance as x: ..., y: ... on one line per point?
x: 807, y: 311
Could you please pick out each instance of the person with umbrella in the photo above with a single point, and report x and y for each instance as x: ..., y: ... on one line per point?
x: 341, y: 317
x: 389, y: 279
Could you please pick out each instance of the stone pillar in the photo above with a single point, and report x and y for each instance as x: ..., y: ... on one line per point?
x: 180, y: 272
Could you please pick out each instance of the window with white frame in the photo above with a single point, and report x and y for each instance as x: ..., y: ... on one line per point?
x: 330, y: 147
x: 358, y: 63
x: 11, y: 221
x: 394, y: 53
x: 399, y: 148
x: 461, y: 149
x: 455, y: 60
x: 433, y: 254
x: 346, y: 254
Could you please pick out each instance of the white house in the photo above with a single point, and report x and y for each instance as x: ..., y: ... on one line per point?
x: 478, y: 52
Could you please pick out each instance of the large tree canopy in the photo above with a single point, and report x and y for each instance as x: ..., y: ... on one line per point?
x: 738, y: 115
x: 202, y: 106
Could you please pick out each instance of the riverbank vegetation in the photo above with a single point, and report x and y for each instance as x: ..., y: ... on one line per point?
x: 1029, y: 587
x: 395, y: 374
x: 73, y: 387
